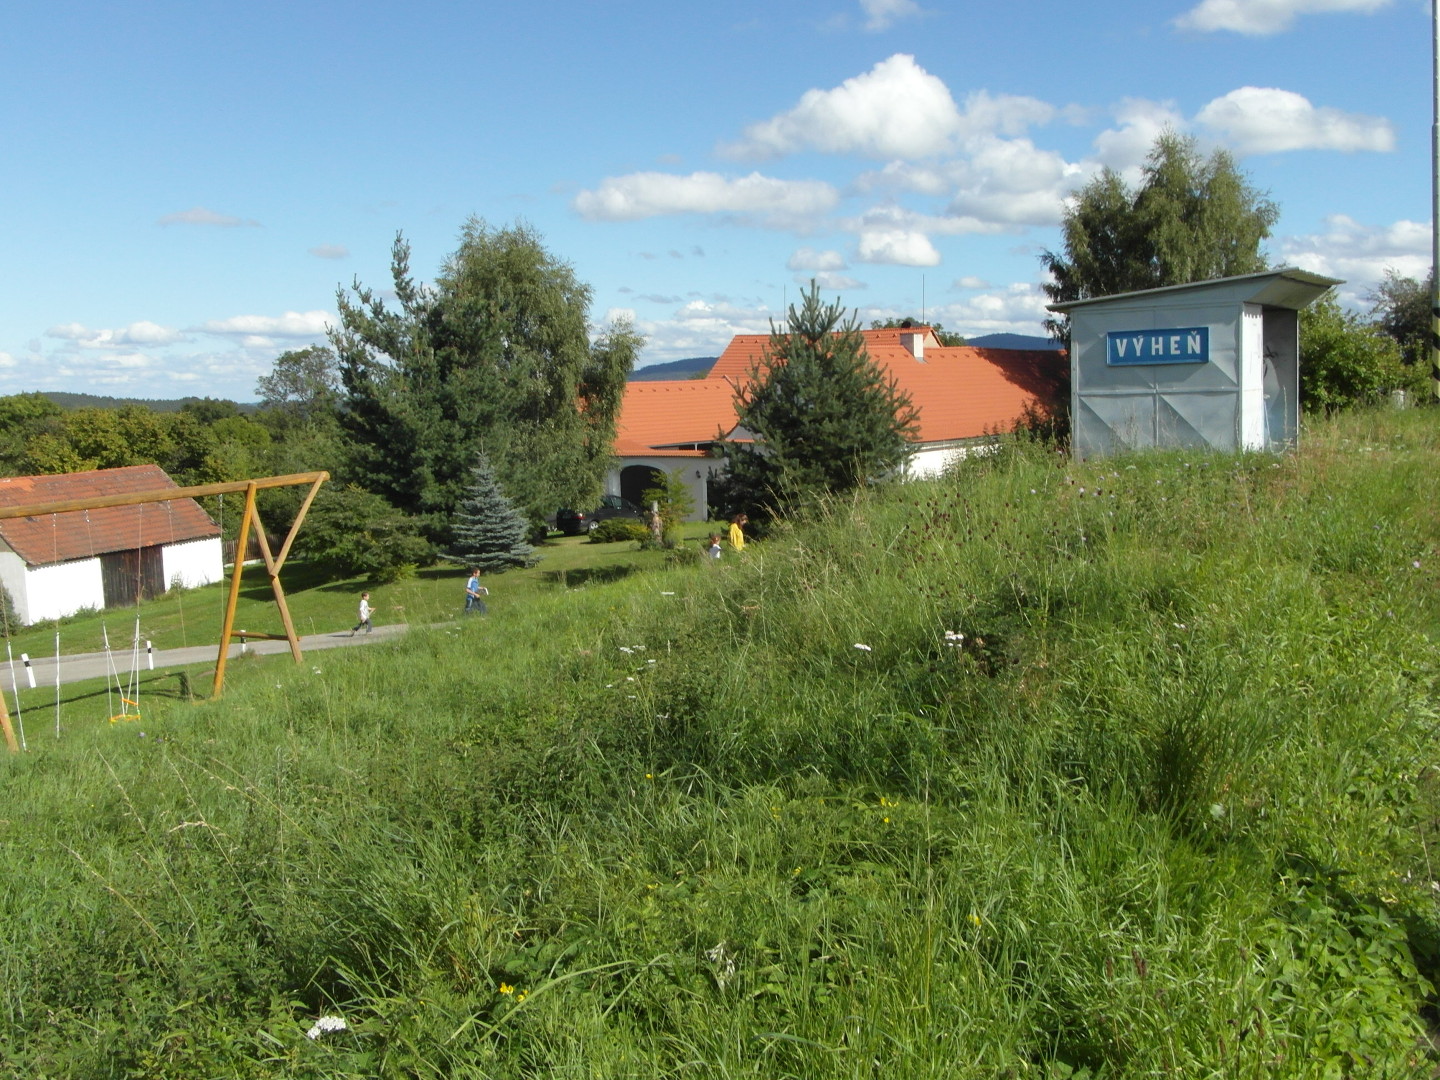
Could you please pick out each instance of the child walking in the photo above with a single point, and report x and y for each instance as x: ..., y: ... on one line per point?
x: 475, y: 594
x: 364, y: 614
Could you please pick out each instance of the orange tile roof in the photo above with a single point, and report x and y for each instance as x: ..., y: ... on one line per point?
x: 657, y: 416
x: 61, y: 537
x: 960, y: 392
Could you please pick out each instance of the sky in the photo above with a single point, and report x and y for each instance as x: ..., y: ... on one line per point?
x: 186, y: 185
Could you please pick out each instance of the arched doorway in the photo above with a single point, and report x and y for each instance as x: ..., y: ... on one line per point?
x: 635, y: 480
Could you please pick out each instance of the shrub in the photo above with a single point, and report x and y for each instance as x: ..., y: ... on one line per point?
x: 608, y: 532
x: 357, y: 532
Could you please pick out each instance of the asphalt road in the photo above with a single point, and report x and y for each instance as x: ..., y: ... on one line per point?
x: 76, y: 667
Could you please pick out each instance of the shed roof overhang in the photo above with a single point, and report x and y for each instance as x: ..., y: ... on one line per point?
x: 1284, y: 288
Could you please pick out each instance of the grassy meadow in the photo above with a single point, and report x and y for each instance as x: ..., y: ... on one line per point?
x: 1045, y: 769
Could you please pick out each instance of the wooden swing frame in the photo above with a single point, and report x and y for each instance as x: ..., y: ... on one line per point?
x: 273, y: 562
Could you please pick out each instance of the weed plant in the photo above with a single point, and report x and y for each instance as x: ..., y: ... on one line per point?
x: 1043, y: 769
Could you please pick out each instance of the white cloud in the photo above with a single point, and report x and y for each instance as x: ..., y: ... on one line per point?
x: 828, y: 281
x: 1011, y: 182
x: 1360, y: 254
x: 1258, y: 17
x: 809, y: 259
x: 700, y: 328
x: 880, y: 14
x: 199, y: 215
x: 782, y: 203
x: 149, y: 333
x: 1015, y: 309
x: 137, y: 333
x: 1125, y: 148
x: 999, y: 184
x: 1263, y: 120
x: 970, y: 282
x: 293, y: 324
x: 7, y: 361
x: 896, y: 247
x: 330, y: 251
x: 896, y: 109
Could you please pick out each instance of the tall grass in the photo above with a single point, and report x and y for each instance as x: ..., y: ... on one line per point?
x: 1166, y: 808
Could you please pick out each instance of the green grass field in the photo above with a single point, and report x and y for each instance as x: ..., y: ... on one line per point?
x: 1045, y: 769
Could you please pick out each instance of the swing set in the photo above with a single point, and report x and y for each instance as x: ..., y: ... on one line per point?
x: 250, y: 519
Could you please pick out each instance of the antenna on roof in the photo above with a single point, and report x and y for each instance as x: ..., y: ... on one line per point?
x: 923, y: 320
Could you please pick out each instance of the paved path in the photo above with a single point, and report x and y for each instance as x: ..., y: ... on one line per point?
x: 76, y: 667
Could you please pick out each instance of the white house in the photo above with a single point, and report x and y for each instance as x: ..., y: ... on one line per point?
x: 115, y: 556
x: 964, y: 396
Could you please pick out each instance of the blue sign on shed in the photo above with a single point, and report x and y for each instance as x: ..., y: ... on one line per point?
x: 1185, y: 345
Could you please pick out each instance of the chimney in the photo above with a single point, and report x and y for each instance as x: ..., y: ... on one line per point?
x: 913, y: 338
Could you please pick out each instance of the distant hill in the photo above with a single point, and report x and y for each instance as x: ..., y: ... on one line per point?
x: 1011, y: 341
x: 692, y: 368
x: 95, y: 401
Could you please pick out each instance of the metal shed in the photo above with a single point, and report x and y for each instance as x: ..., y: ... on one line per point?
x: 1209, y: 364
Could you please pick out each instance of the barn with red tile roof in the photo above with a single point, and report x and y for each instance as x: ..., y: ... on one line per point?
x: 113, y: 556
x: 965, y: 397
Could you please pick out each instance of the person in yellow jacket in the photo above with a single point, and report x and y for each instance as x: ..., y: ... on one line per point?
x: 737, y: 532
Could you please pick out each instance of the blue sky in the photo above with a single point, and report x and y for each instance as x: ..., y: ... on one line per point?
x: 185, y: 185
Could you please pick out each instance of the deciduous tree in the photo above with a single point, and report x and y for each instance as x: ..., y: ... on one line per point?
x: 495, y: 354
x: 303, y: 385
x: 1401, y: 308
x: 1344, y: 360
x: 1191, y: 219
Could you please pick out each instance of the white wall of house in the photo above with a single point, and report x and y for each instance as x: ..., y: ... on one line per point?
x: 193, y: 563
x: 697, y: 485
x: 52, y: 592
x: 931, y: 461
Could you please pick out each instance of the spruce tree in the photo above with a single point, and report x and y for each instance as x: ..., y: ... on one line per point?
x: 489, y: 532
x: 824, y: 417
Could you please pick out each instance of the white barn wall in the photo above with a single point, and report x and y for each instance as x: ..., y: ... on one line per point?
x: 192, y: 563
x: 12, y: 577
x: 63, y: 589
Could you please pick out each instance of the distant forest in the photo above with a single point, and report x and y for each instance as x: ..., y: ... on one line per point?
x: 95, y: 401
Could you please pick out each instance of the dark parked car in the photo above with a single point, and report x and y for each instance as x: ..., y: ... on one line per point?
x: 575, y: 522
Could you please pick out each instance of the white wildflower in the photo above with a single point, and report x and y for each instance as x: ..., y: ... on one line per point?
x: 626, y: 649
x: 862, y: 648
x: 325, y: 1025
